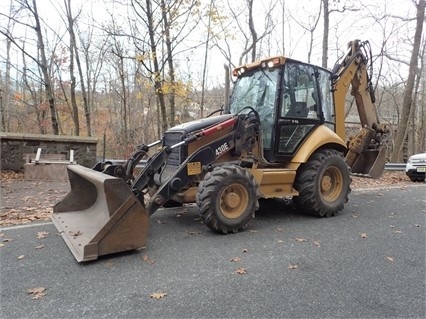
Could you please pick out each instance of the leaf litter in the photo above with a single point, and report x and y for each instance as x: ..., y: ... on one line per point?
x: 148, y: 260
x: 158, y: 295
x: 42, y: 234
x: 241, y: 271
x: 37, y: 293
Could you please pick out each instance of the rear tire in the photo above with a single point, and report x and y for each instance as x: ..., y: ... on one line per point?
x: 227, y: 199
x: 323, y: 184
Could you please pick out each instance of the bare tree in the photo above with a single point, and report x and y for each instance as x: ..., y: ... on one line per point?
x: 5, y: 91
x: 407, y: 99
x: 72, y: 49
x: 310, y: 27
x: 94, y: 60
x: 327, y: 10
x: 74, y: 52
x: 41, y: 58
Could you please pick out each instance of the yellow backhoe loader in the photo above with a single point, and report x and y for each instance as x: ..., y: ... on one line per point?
x: 281, y: 135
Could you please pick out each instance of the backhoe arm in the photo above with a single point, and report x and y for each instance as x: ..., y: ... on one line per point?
x: 366, y: 155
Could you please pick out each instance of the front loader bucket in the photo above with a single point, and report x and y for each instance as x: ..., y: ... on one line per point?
x: 370, y: 163
x: 100, y: 215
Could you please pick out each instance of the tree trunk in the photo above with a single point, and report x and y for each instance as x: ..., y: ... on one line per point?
x: 325, y: 34
x: 407, y: 99
x: 170, y: 62
x: 86, y: 106
x: 206, y: 54
x: 156, y: 74
x: 252, y: 30
x: 43, y: 65
x: 124, y: 102
x: 74, y: 107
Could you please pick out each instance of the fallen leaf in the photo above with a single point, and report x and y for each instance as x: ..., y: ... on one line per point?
x: 363, y: 235
x: 181, y: 213
x: 280, y: 229
x: 245, y: 250
x: 390, y: 258
x: 2, y: 235
x: 354, y: 216
x: 391, y: 226
x: 7, y: 240
x: 75, y: 233
x: 194, y: 232
x: 39, y: 247
x: 148, y: 260
x: 158, y: 295
x: 398, y: 232
x: 280, y: 241
x: 293, y: 266
x: 109, y: 263
x: 159, y: 221
x: 36, y: 290
x: 236, y: 259
x: 417, y: 225
x: 317, y: 243
x: 1, y: 245
x: 37, y: 293
x: 241, y: 271
x: 38, y: 296
x: 21, y: 257
x: 301, y: 240
x: 252, y: 231
x: 42, y: 234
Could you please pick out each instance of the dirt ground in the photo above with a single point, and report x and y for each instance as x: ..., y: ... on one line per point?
x: 24, y: 201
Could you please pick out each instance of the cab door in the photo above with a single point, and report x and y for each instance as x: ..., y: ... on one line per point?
x: 305, y: 91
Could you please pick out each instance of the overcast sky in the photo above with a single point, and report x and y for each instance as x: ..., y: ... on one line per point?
x: 343, y: 28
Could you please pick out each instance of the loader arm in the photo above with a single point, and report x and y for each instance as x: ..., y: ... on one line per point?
x: 240, y: 139
x: 365, y: 155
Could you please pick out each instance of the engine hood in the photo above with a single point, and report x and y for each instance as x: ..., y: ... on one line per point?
x: 197, y: 125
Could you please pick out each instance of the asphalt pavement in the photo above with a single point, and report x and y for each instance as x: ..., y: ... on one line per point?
x: 367, y: 262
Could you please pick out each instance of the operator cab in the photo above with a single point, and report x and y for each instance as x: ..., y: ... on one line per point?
x: 292, y: 98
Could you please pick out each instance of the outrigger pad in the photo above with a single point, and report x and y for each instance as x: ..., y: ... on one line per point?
x: 100, y: 215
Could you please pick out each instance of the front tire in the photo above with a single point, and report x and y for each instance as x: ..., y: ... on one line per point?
x: 227, y: 199
x: 323, y: 184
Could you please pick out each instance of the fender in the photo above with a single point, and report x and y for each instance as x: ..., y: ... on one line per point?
x: 320, y: 137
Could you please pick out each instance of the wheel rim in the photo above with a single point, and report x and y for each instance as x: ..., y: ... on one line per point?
x: 331, y: 184
x: 233, y: 201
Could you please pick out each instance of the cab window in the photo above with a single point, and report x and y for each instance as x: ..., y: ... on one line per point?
x: 300, y: 96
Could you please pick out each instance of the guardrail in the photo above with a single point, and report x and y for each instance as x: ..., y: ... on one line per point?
x: 395, y: 166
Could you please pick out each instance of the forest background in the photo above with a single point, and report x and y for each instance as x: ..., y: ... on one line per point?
x: 130, y: 69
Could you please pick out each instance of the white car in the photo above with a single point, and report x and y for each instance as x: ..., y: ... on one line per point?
x: 416, y: 167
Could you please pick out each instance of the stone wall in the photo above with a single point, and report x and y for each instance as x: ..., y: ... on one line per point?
x: 15, y: 147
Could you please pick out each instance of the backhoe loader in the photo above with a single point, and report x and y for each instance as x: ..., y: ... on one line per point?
x: 282, y: 135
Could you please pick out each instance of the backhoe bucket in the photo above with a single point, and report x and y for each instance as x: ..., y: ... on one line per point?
x: 370, y: 163
x: 100, y: 215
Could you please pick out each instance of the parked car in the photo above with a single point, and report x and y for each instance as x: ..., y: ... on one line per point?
x: 416, y: 167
